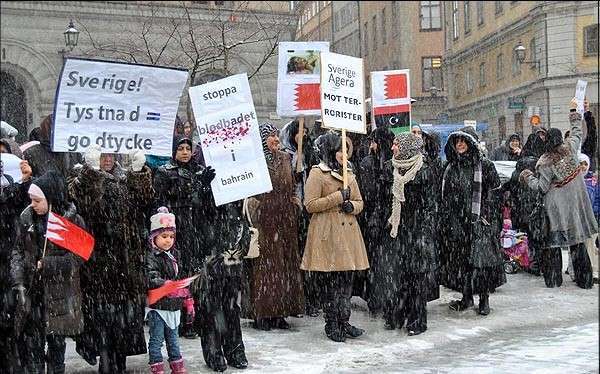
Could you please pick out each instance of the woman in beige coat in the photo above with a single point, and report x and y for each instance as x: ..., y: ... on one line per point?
x: 334, y: 246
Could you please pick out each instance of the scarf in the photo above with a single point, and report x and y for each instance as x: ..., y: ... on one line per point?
x: 266, y: 130
x: 412, y: 166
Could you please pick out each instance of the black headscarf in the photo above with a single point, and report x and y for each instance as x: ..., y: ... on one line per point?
x: 266, y: 130
x: 384, y: 139
x: 432, y: 144
x: 554, y: 138
x: 177, y: 141
x: 535, y: 145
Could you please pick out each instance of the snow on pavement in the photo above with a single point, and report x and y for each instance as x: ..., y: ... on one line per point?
x: 531, y: 329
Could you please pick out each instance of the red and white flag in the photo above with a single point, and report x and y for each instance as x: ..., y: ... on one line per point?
x: 69, y: 236
x: 169, y: 286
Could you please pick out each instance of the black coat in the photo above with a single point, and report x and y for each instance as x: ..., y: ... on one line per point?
x: 113, y: 280
x: 179, y: 188
x: 159, y: 269
x: 467, y: 245
x: 41, y: 159
x: 55, y: 294
x: 414, y: 250
x: 13, y: 199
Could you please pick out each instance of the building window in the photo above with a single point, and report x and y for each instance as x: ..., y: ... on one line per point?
x: 533, y: 52
x: 480, y: 18
x: 499, y: 67
x: 431, y: 73
x: 482, y: 74
x: 469, y: 80
x: 374, y: 24
x: 501, y: 129
x: 590, y: 40
x: 366, y: 38
x: 519, y: 123
x: 455, y: 19
x: 383, y: 28
x: 431, y: 18
x: 499, y: 7
x: 516, y: 65
x: 456, y: 86
x: 467, y: 9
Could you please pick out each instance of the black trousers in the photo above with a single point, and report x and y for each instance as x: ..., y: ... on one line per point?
x: 32, y: 353
x: 337, y: 292
x: 582, y: 266
x: 218, y: 318
x: 112, y: 361
x: 552, y: 267
x: 408, y: 302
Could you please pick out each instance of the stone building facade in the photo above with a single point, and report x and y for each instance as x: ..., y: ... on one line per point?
x: 486, y: 81
x: 32, y: 46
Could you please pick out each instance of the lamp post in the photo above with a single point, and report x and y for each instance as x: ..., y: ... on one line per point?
x: 71, y: 35
x: 520, y: 52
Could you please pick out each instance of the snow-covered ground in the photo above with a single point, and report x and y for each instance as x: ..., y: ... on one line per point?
x: 532, y: 329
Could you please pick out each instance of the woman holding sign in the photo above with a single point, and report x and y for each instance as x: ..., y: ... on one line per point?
x: 334, y: 246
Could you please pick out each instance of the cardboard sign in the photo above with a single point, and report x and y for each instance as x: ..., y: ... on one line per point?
x: 342, y: 92
x: 230, y: 140
x: 11, y: 166
x: 298, y: 78
x: 121, y: 107
x: 391, y: 99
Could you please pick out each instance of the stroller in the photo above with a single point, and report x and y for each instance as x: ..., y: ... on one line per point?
x: 516, y: 249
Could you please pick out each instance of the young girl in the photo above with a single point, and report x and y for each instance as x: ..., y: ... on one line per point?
x: 164, y: 315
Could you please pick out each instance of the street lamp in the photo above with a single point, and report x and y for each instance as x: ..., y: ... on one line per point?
x: 71, y: 36
x: 520, y: 52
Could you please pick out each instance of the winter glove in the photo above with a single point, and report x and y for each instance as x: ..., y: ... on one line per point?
x: 20, y: 295
x: 92, y: 157
x: 208, y: 175
x: 190, y: 312
x: 138, y: 159
x: 347, y: 207
x: 346, y: 193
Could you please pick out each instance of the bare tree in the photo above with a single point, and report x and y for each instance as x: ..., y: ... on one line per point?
x: 199, y: 39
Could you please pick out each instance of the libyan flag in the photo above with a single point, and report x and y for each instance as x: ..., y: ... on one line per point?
x: 69, y: 236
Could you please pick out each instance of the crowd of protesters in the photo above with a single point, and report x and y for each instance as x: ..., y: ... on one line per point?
x: 155, y: 221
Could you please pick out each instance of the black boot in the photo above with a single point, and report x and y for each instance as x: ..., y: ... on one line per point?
x: 262, y: 324
x: 217, y: 363
x: 352, y: 331
x: 484, y: 304
x: 461, y: 305
x: 238, y: 359
x: 280, y: 323
x: 335, y: 331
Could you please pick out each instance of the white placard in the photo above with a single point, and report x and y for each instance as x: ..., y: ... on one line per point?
x: 121, y: 107
x: 580, y: 95
x: 10, y: 166
x: 470, y: 123
x: 230, y: 140
x: 342, y: 92
x: 298, y: 77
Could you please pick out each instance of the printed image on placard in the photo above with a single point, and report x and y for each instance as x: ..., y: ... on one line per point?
x: 303, y: 62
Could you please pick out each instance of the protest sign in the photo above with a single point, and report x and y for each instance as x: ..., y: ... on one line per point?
x: 120, y: 107
x: 10, y: 166
x: 342, y: 92
x: 298, y: 78
x: 230, y: 140
x: 580, y: 95
x: 391, y: 99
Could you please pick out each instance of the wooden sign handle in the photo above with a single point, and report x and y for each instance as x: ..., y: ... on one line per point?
x: 300, y: 141
x: 344, y: 159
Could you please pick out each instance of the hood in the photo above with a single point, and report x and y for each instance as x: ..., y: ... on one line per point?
x: 7, y: 131
x: 450, y: 149
x: 534, y: 146
x: 384, y: 139
x: 471, y: 131
x: 177, y: 141
x: 12, y: 147
x: 327, y: 145
x: 267, y: 129
x: 53, y: 185
x: 510, y: 138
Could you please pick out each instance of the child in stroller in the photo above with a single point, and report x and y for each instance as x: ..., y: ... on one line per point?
x: 515, y: 248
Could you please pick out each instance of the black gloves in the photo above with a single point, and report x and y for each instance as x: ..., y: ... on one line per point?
x: 347, y: 207
x: 345, y: 193
x: 207, y: 175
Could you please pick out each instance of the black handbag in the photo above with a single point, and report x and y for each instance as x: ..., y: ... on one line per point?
x: 538, y: 220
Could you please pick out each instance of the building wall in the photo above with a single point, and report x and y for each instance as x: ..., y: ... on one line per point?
x: 32, y: 36
x: 556, y: 29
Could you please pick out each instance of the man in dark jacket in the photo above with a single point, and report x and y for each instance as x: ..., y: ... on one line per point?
x: 46, y: 279
x: 590, y: 143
